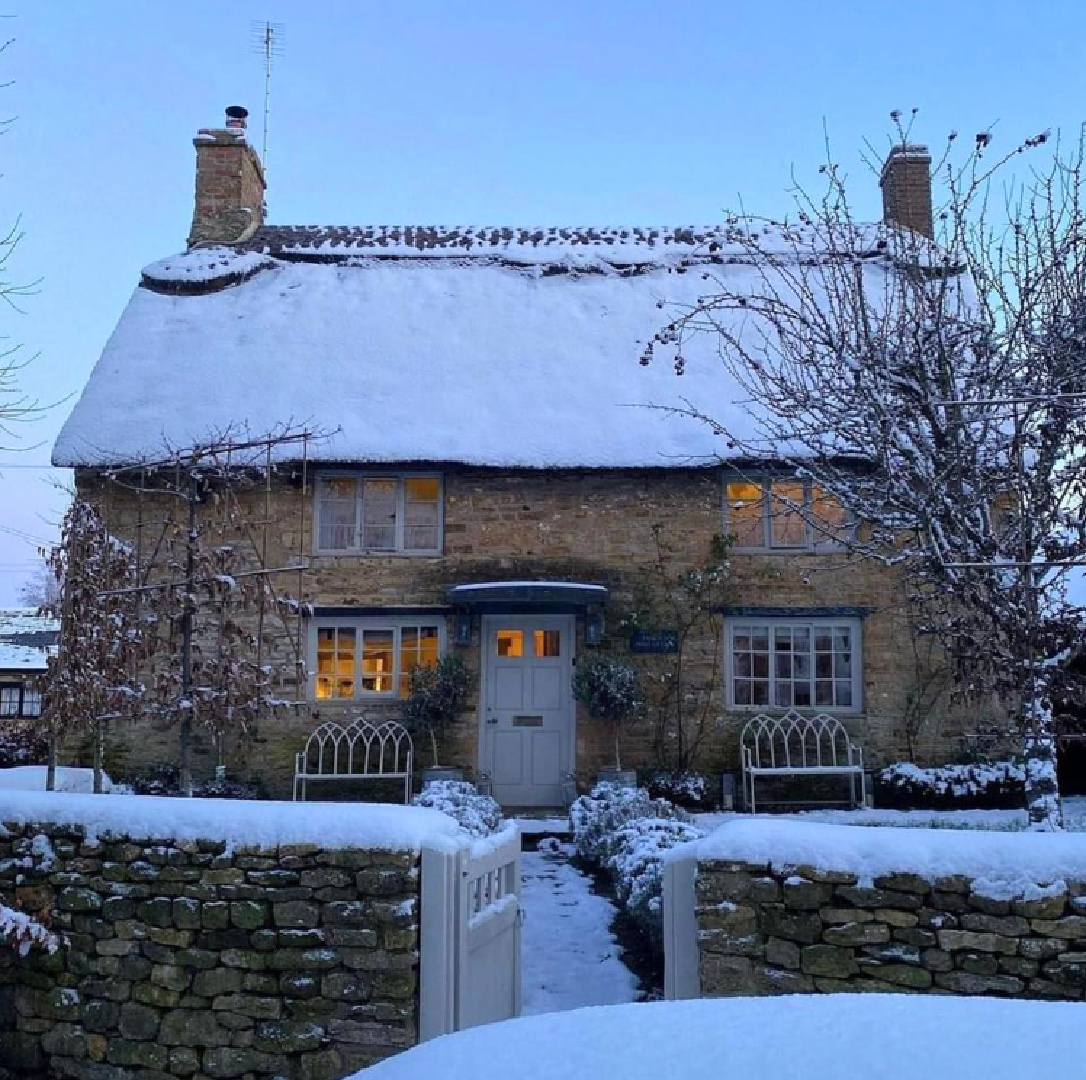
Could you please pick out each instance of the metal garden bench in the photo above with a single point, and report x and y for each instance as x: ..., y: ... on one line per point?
x: 799, y: 745
x: 359, y: 750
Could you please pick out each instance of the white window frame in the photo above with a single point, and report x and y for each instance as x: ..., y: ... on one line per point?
x: 812, y: 624
x: 401, y: 504
x: 814, y: 539
x: 395, y: 623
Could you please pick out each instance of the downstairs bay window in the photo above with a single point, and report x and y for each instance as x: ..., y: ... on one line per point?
x: 776, y: 663
x: 364, y: 659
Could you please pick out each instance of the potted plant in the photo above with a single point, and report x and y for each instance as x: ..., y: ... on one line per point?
x: 436, y: 695
x: 610, y: 690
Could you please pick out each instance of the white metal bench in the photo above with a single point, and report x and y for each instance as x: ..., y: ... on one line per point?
x: 799, y: 745
x: 359, y: 750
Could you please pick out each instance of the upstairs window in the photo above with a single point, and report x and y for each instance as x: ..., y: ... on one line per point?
x: 783, y: 515
x: 378, y: 514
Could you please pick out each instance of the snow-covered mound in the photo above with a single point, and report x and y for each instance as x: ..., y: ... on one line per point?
x: 235, y: 822
x: 204, y: 267
x: 874, y: 1036
x: 32, y: 778
x: 1004, y: 864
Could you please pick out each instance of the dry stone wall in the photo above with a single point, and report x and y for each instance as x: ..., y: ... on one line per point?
x: 185, y: 959
x: 806, y: 930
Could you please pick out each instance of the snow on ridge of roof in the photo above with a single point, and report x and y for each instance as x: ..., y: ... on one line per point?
x: 235, y: 822
x: 658, y: 245
x: 27, y: 639
x: 202, y: 265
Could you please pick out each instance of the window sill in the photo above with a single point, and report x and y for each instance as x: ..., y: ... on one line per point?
x: 339, y: 553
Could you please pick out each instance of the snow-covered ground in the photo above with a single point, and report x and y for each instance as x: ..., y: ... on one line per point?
x: 569, y: 957
x: 32, y: 778
x: 798, y: 1037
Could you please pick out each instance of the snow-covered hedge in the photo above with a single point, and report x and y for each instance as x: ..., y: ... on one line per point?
x: 22, y: 933
x: 627, y: 833
x: 998, y: 785
x: 478, y: 814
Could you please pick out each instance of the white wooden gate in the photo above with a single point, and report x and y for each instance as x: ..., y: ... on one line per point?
x: 470, y: 934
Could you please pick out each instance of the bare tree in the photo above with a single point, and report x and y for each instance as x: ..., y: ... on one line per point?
x: 936, y: 391
x: 90, y: 681
x: 41, y: 588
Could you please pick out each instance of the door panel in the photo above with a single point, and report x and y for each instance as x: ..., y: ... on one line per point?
x: 527, y: 740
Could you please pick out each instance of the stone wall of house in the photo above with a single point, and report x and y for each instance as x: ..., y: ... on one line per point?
x: 763, y: 931
x: 188, y: 960
x: 595, y: 526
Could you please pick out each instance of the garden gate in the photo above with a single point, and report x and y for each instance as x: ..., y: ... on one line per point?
x: 470, y: 934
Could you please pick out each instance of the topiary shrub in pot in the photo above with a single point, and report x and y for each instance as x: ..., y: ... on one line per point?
x: 610, y: 690
x: 436, y: 696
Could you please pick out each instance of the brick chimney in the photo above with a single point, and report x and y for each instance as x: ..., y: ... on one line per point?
x: 906, y: 189
x: 229, y: 183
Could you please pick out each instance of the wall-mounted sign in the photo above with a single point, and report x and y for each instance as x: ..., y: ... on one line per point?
x: 654, y: 641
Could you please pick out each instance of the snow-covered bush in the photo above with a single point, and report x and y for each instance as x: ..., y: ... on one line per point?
x: 22, y: 933
x: 690, y: 790
x: 610, y: 690
x: 998, y: 785
x: 627, y: 832
x: 596, y: 818
x: 477, y: 814
x: 165, y: 780
x: 636, y: 862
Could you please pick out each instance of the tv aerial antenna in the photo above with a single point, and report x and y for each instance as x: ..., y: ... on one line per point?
x: 267, y: 42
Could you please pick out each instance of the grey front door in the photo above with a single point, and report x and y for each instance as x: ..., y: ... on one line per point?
x: 527, y: 738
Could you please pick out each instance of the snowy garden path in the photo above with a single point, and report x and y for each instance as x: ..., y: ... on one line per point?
x: 569, y: 956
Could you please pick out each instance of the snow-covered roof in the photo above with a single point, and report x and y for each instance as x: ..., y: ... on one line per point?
x: 27, y: 639
x: 507, y: 347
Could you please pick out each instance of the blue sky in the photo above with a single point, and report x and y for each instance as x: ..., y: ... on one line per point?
x: 484, y: 112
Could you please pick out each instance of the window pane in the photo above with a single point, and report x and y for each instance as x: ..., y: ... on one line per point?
x: 742, y: 691
x: 823, y: 666
x: 418, y: 648
x: 31, y: 702
x: 547, y: 642
x: 782, y: 694
x: 844, y: 693
x: 421, y: 497
x: 787, y: 527
x: 760, y: 662
x: 745, y: 508
x: 510, y: 642
x: 823, y: 692
x: 842, y: 665
x: 741, y: 665
x: 803, y: 694
x: 337, y: 509
x: 377, y: 661
x: 831, y: 521
x: 9, y: 701
x: 335, y: 662
x: 379, y: 499
x: 760, y: 692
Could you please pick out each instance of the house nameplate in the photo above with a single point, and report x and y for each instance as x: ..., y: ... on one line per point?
x: 654, y: 641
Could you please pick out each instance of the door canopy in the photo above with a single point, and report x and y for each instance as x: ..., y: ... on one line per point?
x: 529, y: 597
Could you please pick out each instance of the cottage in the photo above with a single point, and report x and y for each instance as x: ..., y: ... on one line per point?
x: 494, y: 472
x: 27, y: 640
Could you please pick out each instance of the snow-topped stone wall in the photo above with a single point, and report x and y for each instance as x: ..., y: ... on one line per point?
x: 211, y: 957
x: 801, y: 908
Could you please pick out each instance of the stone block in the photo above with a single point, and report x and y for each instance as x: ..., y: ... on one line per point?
x: 828, y: 961
x: 803, y: 895
x: 721, y: 976
x: 859, y: 933
x: 907, y: 883
x: 1007, y: 925
x: 953, y: 940
x: 804, y: 927
x: 138, y: 1022
x: 963, y: 982
x: 845, y: 915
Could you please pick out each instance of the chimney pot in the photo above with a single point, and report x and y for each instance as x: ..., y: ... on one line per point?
x: 906, y: 189
x: 236, y: 117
